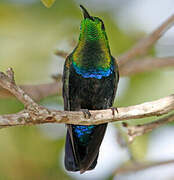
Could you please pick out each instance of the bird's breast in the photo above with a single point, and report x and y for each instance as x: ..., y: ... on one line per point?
x: 91, y: 72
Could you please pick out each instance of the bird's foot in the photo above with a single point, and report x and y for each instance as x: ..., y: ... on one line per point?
x: 86, y: 113
x: 113, y: 109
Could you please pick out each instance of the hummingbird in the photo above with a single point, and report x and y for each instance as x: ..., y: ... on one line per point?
x: 90, y: 79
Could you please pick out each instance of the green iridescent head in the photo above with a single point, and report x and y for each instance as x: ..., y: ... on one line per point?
x: 92, y: 50
x: 92, y: 28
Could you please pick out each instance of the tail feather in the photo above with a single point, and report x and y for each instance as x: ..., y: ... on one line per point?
x: 70, y: 160
x: 80, y: 158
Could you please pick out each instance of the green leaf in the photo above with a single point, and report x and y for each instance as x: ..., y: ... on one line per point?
x: 48, y: 3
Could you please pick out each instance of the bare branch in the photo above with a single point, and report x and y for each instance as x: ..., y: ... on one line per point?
x: 138, y: 130
x: 146, y: 64
x: 35, y: 114
x: 37, y: 92
x: 143, y: 45
x: 7, y: 82
x: 10, y: 75
x: 43, y: 115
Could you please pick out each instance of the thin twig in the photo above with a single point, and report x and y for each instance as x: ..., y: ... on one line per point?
x: 37, y: 92
x: 7, y: 82
x: 143, y: 45
x: 146, y: 64
x: 138, y: 130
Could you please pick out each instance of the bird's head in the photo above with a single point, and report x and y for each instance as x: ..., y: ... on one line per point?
x: 92, y: 28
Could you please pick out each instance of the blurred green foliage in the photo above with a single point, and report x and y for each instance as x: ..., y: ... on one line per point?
x: 29, y: 34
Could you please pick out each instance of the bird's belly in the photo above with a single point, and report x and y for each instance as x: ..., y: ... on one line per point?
x: 91, y: 93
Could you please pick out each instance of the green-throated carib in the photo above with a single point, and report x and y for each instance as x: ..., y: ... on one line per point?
x: 90, y: 81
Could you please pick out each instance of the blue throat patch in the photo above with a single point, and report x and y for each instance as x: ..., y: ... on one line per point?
x: 93, y: 73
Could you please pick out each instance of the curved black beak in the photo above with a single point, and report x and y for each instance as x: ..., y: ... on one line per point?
x: 85, y: 13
